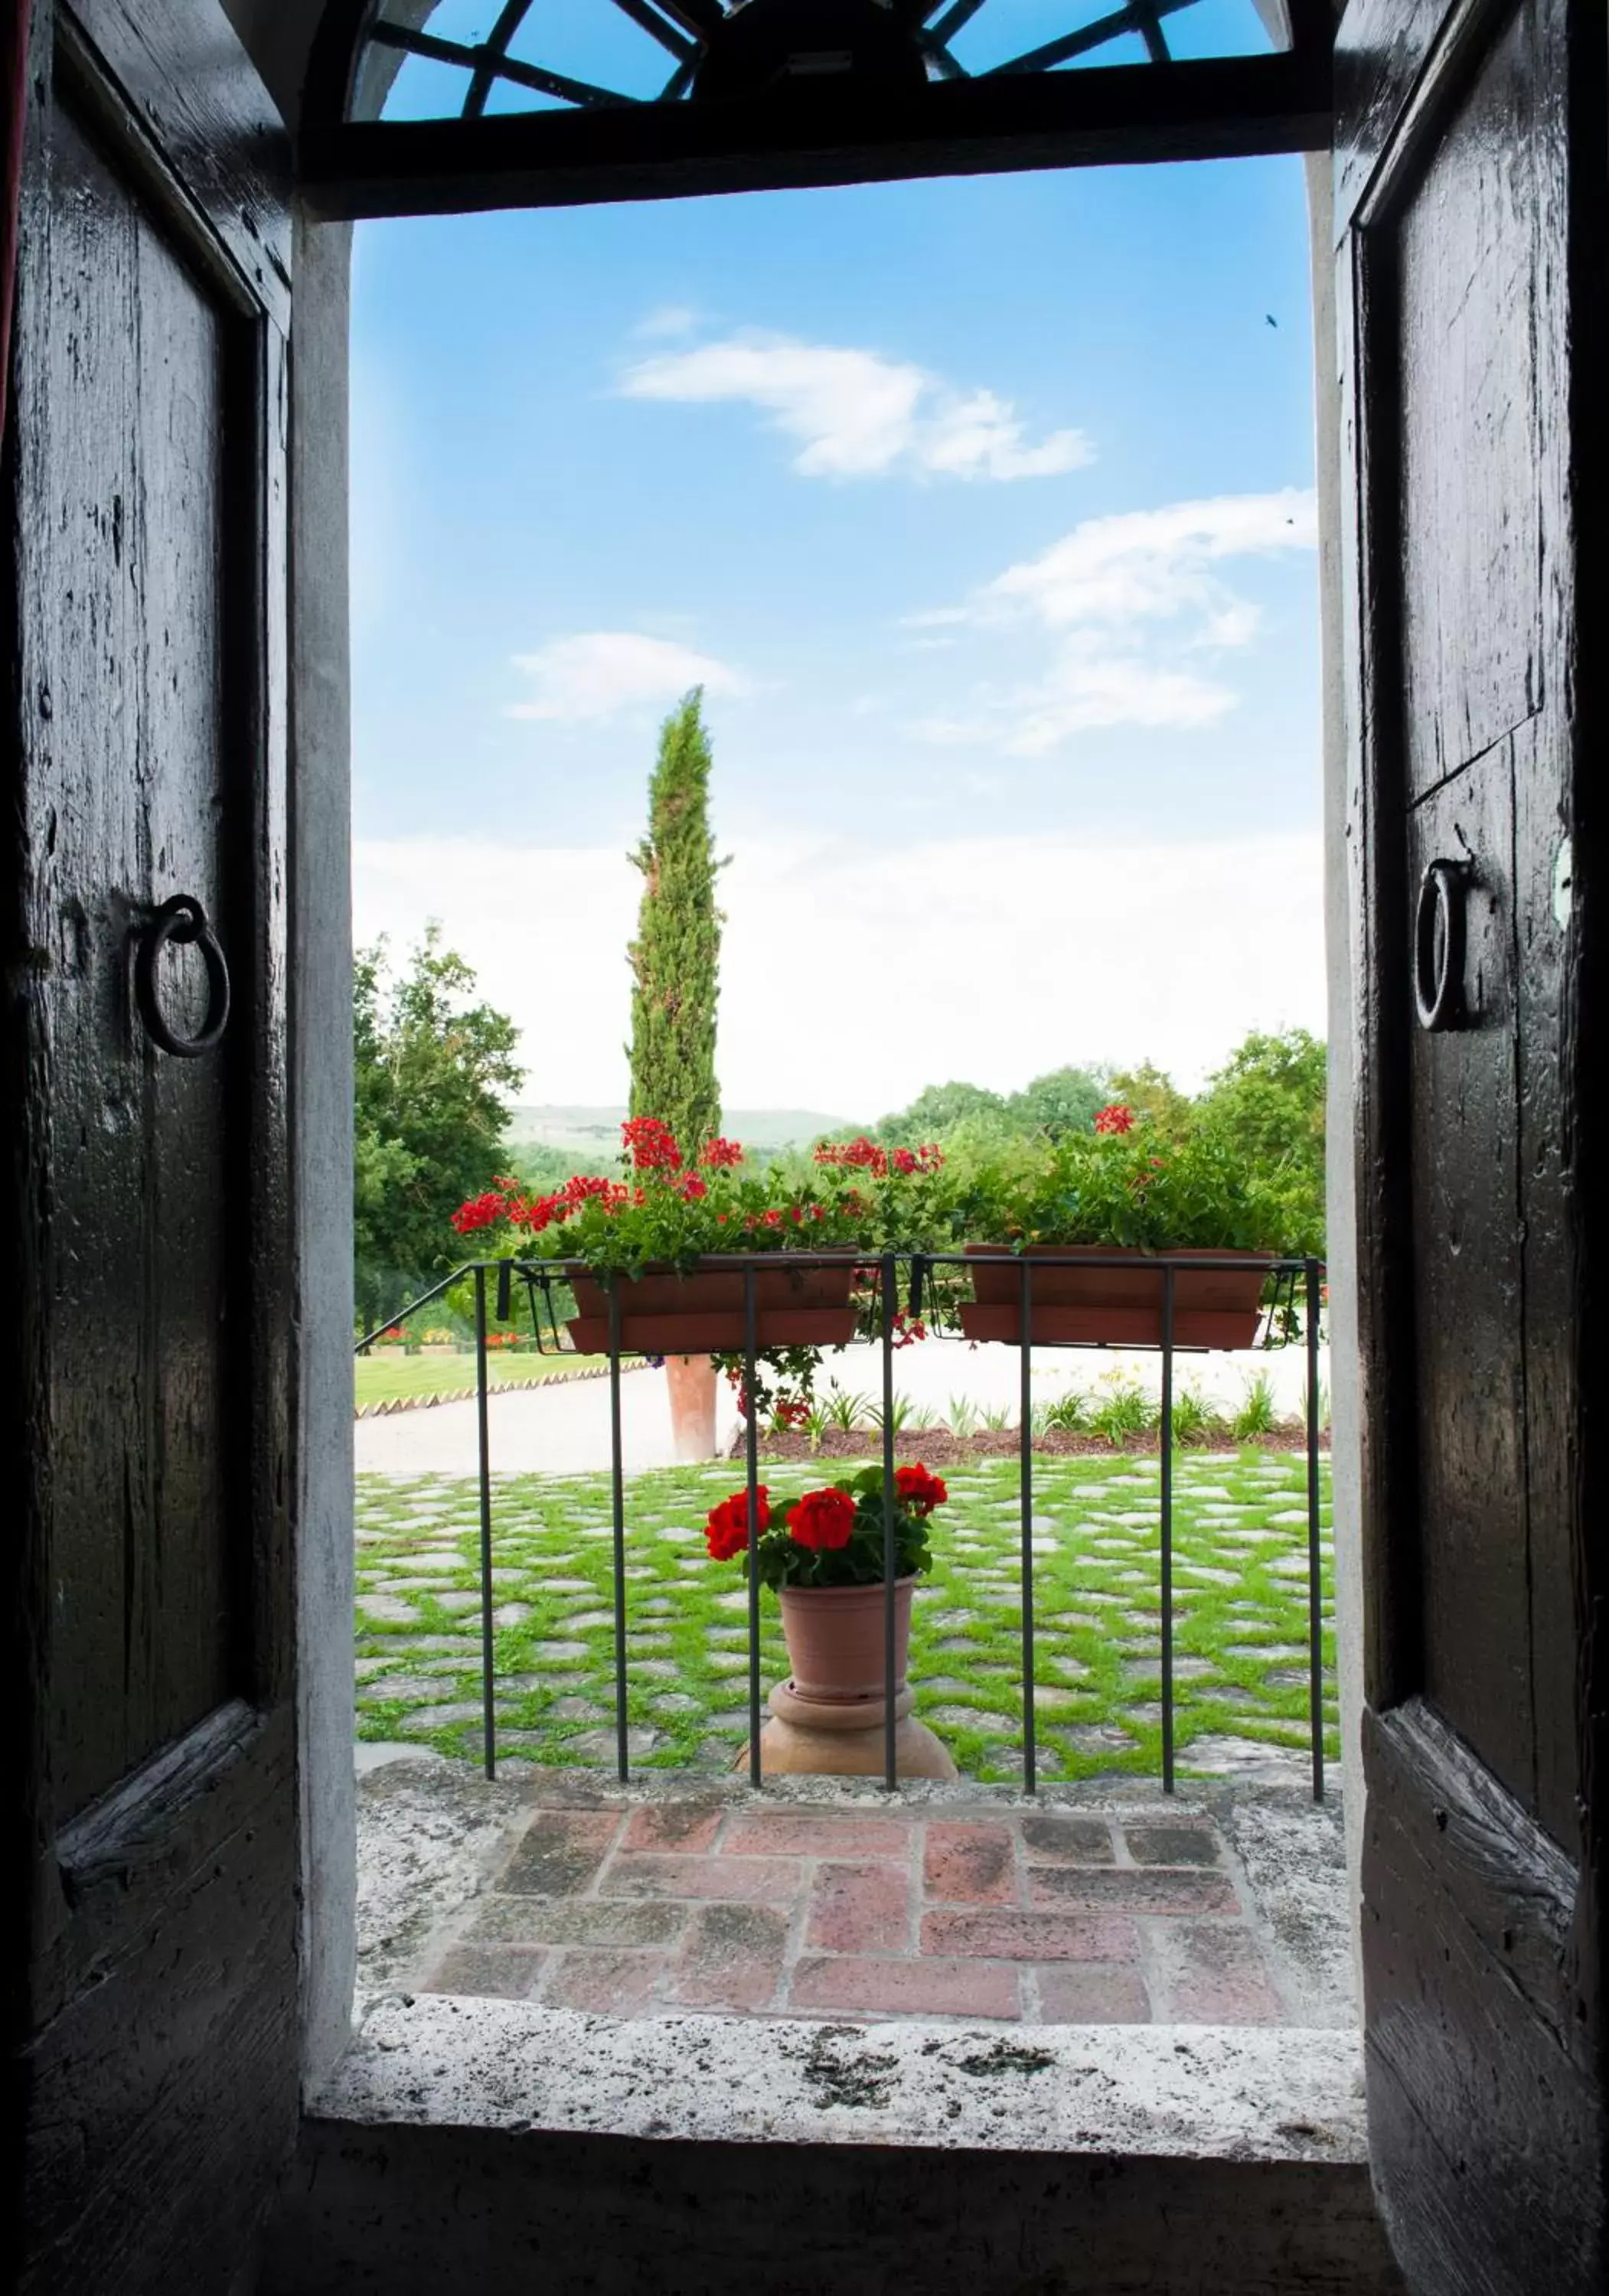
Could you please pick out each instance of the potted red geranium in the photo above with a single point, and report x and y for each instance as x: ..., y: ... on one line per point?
x: 823, y: 1553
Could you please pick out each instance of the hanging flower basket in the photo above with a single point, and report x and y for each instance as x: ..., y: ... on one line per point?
x: 664, y: 1312
x: 1117, y: 1307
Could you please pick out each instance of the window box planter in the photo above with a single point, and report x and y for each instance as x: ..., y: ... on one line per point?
x: 666, y: 1313
x: 1117, y: 1307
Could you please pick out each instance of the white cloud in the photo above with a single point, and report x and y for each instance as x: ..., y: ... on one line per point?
x: 1083, y: 690
x: 599, y: 673
x: 857, y: 414
x: 1125, y: 601
x: 1141, y: 565
x: 1040, y: 950
x: 667, y: 319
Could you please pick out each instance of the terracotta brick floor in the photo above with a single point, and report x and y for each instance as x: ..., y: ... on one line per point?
x: 969, y: 1912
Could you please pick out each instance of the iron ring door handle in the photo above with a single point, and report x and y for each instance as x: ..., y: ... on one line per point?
x: 181, y: 921
x: 1440, y: 940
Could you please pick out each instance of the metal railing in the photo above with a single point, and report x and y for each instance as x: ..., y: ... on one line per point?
x: 1298, y: 1298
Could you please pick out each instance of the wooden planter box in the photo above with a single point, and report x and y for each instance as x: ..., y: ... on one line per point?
x: 1119, y: 1306
x: 664, y: 1312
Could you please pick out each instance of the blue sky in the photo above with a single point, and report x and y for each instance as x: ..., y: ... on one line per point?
x: 981, y: 508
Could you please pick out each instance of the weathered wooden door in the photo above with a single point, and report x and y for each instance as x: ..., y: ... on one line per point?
x: 1470, y: 178
x: 150, y: 1761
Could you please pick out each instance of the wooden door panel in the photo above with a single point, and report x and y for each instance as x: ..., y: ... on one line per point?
x: 1465, y: 257
x: 135, y: 481
x: 1476, y: 1662
x: 1488, y: 2167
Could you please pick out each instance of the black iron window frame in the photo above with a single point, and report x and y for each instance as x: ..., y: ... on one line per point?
x: 900, y: 1275
x: 1036, y: 116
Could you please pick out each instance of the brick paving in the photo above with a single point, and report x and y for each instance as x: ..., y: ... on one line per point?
x: 998, y: 1913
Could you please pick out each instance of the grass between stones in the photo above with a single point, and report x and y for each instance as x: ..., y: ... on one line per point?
x: 1240, y: 1616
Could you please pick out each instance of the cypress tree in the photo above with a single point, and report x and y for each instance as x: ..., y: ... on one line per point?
x: 676, y: 957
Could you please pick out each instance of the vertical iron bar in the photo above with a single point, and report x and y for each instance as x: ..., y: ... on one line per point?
x: 1025, y: 1488
x: 1315, y: 1562
x: 891, y: 1726
x: 1166, y: 1434
x: 483, y: 1441
x: 622, y: 1753
x: 751, y: 1454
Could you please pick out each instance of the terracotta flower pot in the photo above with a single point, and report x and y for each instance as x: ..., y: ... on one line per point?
x: 664, y: 1313
x: 835, y: 1639
x: 1212, y: 1308
x: 690, y: 1384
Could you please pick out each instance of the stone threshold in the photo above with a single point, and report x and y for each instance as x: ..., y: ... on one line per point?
x: 1221, y: 2092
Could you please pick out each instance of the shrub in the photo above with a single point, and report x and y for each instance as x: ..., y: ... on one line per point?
x: 1257, y: 1414
x: 1123, y: 1412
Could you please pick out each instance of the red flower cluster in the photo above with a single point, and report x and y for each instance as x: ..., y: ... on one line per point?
x: 538, y: 1212
x: 866, y: 1156
x: 790, y: 1411
x: 720, y: 1155
x: 920, y: 1491
x: 1116, y: 1117
x: 822, y: 1519
x: 907, y: 1330
x: 726, y: 1532
x: 651, y: 1145
x: 480, y: 1212
x: 692, y: 1187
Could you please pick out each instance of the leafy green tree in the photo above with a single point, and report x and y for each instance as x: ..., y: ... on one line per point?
x: 676, y: 957
x: 1061, y: 1101
x: 1267, y: 1104
x: 430, y: 1073
x: 1154, y: 1098
x: 938, y: 1110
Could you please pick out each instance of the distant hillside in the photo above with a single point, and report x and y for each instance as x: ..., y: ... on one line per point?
x: 597, y: 1130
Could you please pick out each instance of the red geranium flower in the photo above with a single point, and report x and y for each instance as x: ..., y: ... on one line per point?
x: 920, y: 1491
x: 720, y: 1153
x: 651, y: 1144
x: 480, y: 1212
x: 861, y: 1155
x: 823, y: 1518
x: 726, y: 1532
x: 1115, y: 1116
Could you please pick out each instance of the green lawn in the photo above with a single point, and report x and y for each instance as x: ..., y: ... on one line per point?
x: 1240, y: 1615
x: 389, y: 1373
